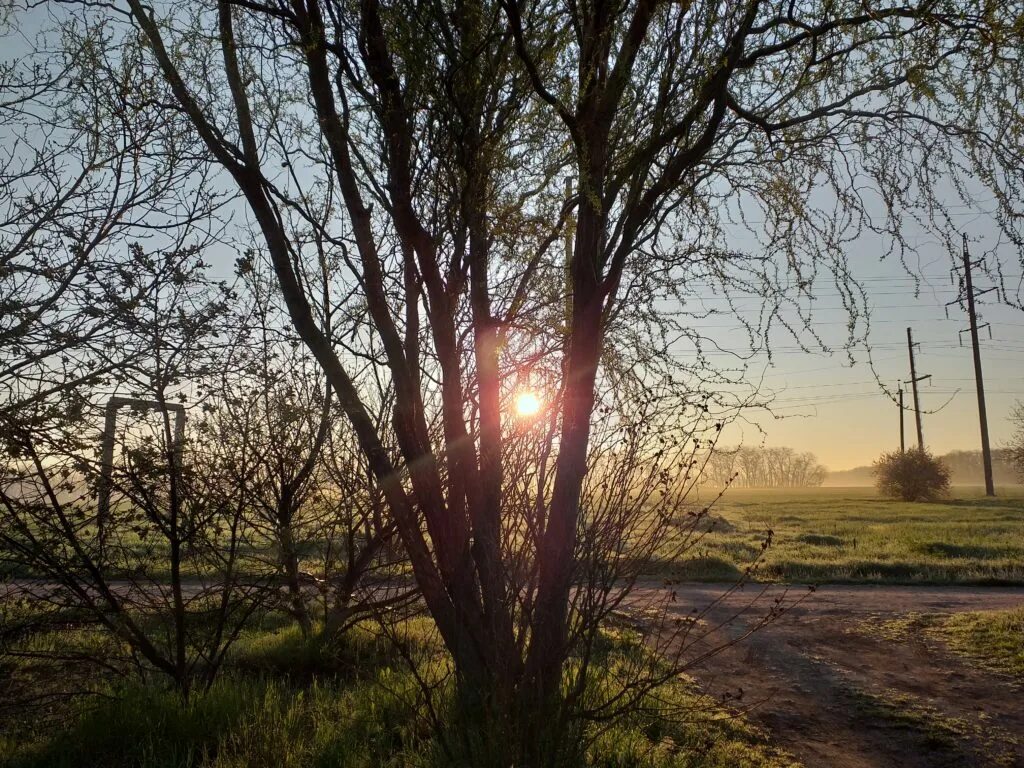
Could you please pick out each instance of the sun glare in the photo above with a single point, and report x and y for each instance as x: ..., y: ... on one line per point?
x: 527, y: 404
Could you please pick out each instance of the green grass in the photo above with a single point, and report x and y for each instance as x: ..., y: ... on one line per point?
x: 851, y: 535
x: 820, y: 535
x: 240, y: 721
x: 994, y: 638
x: 903, y: 711
x: 284, y: 701
x: 675, y: 727
x: 132, y: 557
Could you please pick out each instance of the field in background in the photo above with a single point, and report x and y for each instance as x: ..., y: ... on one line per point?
x: 852, y: 535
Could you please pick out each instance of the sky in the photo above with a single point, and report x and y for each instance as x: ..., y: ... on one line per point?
x: 838, y: 411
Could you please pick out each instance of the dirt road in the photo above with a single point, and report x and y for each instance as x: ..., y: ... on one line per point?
x: 837, y: 691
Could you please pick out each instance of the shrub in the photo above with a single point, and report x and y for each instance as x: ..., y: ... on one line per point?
x: 912, y: 475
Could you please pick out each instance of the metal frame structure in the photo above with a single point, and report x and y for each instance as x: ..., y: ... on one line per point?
x: 107, y: 458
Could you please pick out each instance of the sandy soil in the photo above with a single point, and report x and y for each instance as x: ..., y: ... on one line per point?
x: 836, y: 692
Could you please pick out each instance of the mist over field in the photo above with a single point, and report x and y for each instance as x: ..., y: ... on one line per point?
x: 966, y: 468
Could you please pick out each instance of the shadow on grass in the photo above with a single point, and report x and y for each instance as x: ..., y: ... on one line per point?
x: 717, y: 569
x: 873, y: 572
x: 239, y: 722
x: 969, y: 552
x: 986, y: 502
x: 706, y: 568
x: 820, y: 540
x: 286, y: 654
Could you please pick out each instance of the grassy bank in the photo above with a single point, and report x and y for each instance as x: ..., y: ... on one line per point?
x: 852, y: 535
x: 287, y: 702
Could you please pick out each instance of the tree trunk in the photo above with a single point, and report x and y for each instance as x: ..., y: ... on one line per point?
x: 290, y: 561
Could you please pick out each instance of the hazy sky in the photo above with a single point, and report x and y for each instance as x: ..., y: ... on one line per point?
x: 840, y: 413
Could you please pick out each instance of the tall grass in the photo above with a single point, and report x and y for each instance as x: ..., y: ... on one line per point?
x: 287, y: 702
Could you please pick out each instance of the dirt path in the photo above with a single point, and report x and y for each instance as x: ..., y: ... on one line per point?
x: 836, y: 691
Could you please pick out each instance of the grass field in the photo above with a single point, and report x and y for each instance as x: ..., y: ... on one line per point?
x: 819, y: 535
x: 994, y: 638
x: 852, y: 535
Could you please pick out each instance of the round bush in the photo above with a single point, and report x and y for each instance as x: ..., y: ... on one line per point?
x: 914, y: 475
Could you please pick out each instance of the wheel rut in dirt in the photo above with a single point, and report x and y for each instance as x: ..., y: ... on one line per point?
x: 836, y: 691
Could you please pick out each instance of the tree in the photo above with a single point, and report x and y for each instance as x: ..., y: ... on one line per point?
x: 275, y: 427
x: 89, y: 166
x: 163, y: 567
x: 89, y: 169
x: 226, y: 472
x: 912, y: 475
x: 967, y: 467
x: 1016, y: 446
x: 763, y: 467
x: 424, y: 148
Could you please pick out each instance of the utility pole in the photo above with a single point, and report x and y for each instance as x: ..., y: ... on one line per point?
x: 914, y: 378
x: 903, y: 441
x: 986, y: 450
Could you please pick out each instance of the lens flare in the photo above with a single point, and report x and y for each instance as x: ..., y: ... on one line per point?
x: 527, y: 404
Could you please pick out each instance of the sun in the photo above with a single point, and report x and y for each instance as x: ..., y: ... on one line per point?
x: 527, y: 404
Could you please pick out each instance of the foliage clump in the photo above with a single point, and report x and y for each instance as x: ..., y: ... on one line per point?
x: 911, y: 475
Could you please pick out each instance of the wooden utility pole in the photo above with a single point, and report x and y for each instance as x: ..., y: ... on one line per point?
x: 986, y: 451
x: 914, y: 378
x: 903, y: 441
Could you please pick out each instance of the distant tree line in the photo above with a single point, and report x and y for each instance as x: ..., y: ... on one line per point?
x: 965, y: 468
x: 1016, y: 447
x: 764, y: 467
